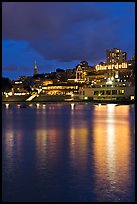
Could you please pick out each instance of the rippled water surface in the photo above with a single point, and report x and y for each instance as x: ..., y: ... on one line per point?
x: 68, y: 152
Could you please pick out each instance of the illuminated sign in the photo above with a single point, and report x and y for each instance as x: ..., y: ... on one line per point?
x: 111, y: 66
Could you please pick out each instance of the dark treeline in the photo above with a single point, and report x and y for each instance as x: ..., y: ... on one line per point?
x: 6, y: 84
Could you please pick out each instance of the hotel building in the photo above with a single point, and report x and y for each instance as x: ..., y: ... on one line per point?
x: 115, y: 55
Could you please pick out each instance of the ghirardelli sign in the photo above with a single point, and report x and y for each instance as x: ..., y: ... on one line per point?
x: 111, y: 66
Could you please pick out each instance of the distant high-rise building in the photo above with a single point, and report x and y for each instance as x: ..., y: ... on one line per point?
x: 133, y: 57
x: 115, y: 55
x: 35, y: 69
x: 124, y: 54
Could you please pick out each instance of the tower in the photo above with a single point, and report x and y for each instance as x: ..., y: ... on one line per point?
x: 35, y: 69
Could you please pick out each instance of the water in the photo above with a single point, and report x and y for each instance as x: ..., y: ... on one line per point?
x: 68, y: 152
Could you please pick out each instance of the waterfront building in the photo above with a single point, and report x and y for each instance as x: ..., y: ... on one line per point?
x: 96, y: 78
x: 18, y: 88
x: 109, y: 90
x: 59, y: 89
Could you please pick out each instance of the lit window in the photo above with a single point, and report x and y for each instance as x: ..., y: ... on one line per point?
x: 132, y: 97
x: 121, y: 91
x: 85, y: 98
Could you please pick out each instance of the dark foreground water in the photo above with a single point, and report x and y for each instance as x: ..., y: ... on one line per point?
x: 68, y: 152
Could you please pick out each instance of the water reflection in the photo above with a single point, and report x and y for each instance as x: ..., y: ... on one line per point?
x: 9, y: 144
x: 110, y: 143
x: 70, y: 152
x: 12, y: 143
x: 7, y: 106
x: 72, y: 106
x: 44, y: 106
x: 18, y: 105
x: 41, y: 148
x: 78, y: 146
x: 112, y: 151
x: 80, y: 151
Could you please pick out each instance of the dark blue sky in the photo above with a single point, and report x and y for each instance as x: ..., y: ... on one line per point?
x: 61, y: 34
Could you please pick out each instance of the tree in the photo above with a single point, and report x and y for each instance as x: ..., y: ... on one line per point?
x: 6, y: 85
x: 59, y: 70
x: 27, y: 88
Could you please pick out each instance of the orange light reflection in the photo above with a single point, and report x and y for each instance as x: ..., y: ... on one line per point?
x: 112, y: 146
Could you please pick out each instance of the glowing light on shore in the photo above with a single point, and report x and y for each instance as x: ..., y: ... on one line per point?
x: 18, y: 105
x: 10, y: 93
x: 7, y: 106
x: 38, y: 105
x: 72, y: 106
x: 44, y: 106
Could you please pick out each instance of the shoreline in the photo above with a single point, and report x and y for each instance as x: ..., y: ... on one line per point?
x: 103, y: 102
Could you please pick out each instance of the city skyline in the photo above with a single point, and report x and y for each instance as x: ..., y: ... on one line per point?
x: 60, y: 35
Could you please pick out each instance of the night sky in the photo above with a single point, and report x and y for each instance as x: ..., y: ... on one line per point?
x: 60, y: 35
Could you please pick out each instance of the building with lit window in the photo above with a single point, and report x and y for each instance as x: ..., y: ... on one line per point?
x: 47, y: 82
x: 59, y: 89
x: 110, y: 90
x: 115, y: 55
x: 116, y: 65
x: 82, y: 70
x: 79, y: 74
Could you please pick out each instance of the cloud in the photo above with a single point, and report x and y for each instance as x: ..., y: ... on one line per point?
x: 64, y: 31
x: 77, y: 44
x: 31, y: 20
x: 11, y: 68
